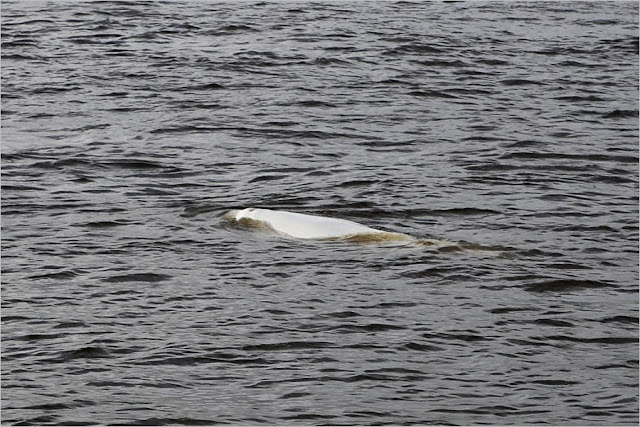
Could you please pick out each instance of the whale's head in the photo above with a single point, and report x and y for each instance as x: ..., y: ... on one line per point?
x: 249, y: 218
x: 231, y: 215
x: 238, y: 214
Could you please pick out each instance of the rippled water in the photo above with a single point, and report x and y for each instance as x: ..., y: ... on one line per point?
x: 507, y: 129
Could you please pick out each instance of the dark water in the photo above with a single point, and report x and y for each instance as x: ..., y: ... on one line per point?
x: 128, y: 128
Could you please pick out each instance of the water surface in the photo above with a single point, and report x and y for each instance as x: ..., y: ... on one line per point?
x: 129, y: 128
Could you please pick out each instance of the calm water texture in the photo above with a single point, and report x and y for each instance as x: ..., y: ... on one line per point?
x: 129, y: 128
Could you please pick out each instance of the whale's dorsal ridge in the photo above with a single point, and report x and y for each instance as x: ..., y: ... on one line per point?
x: 305, y: 226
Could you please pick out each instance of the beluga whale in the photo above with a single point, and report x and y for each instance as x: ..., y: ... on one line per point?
x: 313, y: 227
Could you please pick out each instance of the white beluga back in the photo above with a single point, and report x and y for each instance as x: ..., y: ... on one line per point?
x: 303, y: 226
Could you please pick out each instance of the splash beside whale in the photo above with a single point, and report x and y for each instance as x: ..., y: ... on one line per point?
x: 303, y: 226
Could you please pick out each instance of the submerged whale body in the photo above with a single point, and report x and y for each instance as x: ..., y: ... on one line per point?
x: 304, y: 226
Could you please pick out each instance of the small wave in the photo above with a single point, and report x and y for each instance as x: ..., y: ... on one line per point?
x: 230, y: 29
x: 302, y: 417
x: 503, y: 310
x: 67, y: 325
x: 372, y: 327
x: 200, y: 360
x: 436, y: 63
x: 38, y: 337
x: 343, y: 314
x: 564, y: 156
x: 288, y: 346
x: 597, y: 340
x: 553, y: 322
x: 620, y: 319
x: 136, y: 164
x: 621, y: 114
x: 464, y: 211
x: 137, y: 277
x: 294, y: 395
x: 57, y: 406
x: 456, y: 336
x: 520, y: 82
x: 59, y: 275
x: 315, y: 103
x: 184, y: 421
x: 564, y: 285
x: 421, y: 347
x: 414, y: 48
x: 263, y: 178
x: 20, y: 188
x: 432, y: 94
x: 95, y: 352
x: 205, y: 86
x: 577, y: 98
x: 329, y: 61
x: 104, y: 224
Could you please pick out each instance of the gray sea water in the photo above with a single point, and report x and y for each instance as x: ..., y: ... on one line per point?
x: 509, y: 129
